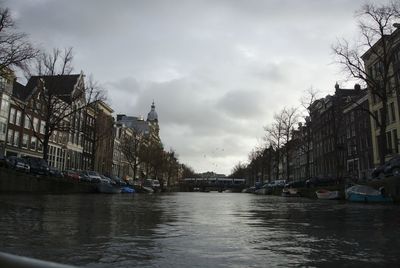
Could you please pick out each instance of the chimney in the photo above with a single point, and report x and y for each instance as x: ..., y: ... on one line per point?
x: 120, y: 116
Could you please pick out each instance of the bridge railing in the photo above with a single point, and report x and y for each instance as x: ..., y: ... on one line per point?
x: 215, y: 181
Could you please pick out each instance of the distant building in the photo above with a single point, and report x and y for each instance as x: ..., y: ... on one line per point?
x: 149, y: 127
x: 126, y: 125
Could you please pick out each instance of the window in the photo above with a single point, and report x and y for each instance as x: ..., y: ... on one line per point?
x: 36, y: 124
x: 12, y: 116
x: 42, y: 126
x: 33, y: 143
x: 27, y: 123
x: 10, y: 136
x: 25, y: 139
x: 3, y: 83
x: 393, y: 114
x: 389, y: 141
x: 3, y: 128
x: 18, y: 118
x: 39, y: 146
x: 395, y: 141
x: 376, y: 119
x: 5, y: 106
x: 16, y: 139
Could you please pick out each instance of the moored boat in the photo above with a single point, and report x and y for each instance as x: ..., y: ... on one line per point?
x: 288, y: 192
x: 363, y: 193
x: 327, y: 195
x: 147, y: 189
x: 107, y: 188
x: 261, y: 191
x: 127, y: 190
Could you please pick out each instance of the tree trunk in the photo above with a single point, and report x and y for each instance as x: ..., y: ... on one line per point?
x: 382, y: 134
x: 46, y: 147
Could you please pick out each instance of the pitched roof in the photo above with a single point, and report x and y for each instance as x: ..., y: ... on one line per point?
x: 19, y: 91
x: 60, y: 85
x: 134, y: 123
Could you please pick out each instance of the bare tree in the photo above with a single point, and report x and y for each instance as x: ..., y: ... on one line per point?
x: 131, y: 148
x: 305, y: 146
x: 371, y: 61
x: 57, y: 108
x: 239, y: 171
x: 171, y: 167
x: 279, y: 135
x: 15, y: 49
x: 290, y: 119
x: 274, y: 139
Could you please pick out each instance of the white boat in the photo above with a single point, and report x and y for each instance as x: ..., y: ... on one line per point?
x: 327, y: 195
x: 290, y: 192
x: 148, y: 189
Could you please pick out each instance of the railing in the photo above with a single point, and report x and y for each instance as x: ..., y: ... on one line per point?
x: 14, y: 261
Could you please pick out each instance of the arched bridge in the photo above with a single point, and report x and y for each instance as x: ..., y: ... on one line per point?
x: 216, y: 184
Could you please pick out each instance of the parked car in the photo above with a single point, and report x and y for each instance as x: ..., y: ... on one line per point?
x: 118, y: 181
x: 83, y: 176
x: 93, y: 176
x: 277, y: 183
x: 154, y: 184
x: 38, y: 165
x: 105, y: 179
x: 295, y: 184
x: 55, y: 172
x: 391, y: 167
x: 3, y: 161
x: 71, y: 174
x: 18, y: 163
x: 321, y: 181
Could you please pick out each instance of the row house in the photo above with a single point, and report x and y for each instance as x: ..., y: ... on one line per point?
x: 302, y: 155
x: 25, y: 129
x: 89, y: 136
x: 374, y: 68
x: 120, y: 167
x: 103, y: 138
x: 27, y: 122
x: 359, y: 151
x: 86, y: 136
x: 329, y: 149
x: 6, y: 86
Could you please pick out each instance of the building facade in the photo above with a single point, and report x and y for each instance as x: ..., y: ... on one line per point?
x: 359, y: 150
x: 329, y: 149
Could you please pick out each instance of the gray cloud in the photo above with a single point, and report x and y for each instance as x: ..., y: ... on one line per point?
x: 217, y: 70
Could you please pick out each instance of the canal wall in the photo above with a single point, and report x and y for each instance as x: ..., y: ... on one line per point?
x: 12, y: 181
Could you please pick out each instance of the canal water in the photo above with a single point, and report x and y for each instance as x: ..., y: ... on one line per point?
x: 198, y: 230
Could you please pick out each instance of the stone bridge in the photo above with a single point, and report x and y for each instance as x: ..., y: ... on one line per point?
x: 213, y: 184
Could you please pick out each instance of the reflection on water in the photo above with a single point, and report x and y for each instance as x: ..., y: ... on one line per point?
x: 198, y: 230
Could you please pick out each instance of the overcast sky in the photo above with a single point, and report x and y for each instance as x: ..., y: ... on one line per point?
x: 217, y: 70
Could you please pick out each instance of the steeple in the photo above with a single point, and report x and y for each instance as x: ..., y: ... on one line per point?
x: 152, y: 115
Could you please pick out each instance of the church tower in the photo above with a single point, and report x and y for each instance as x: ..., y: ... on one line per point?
x: 152, y: 119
